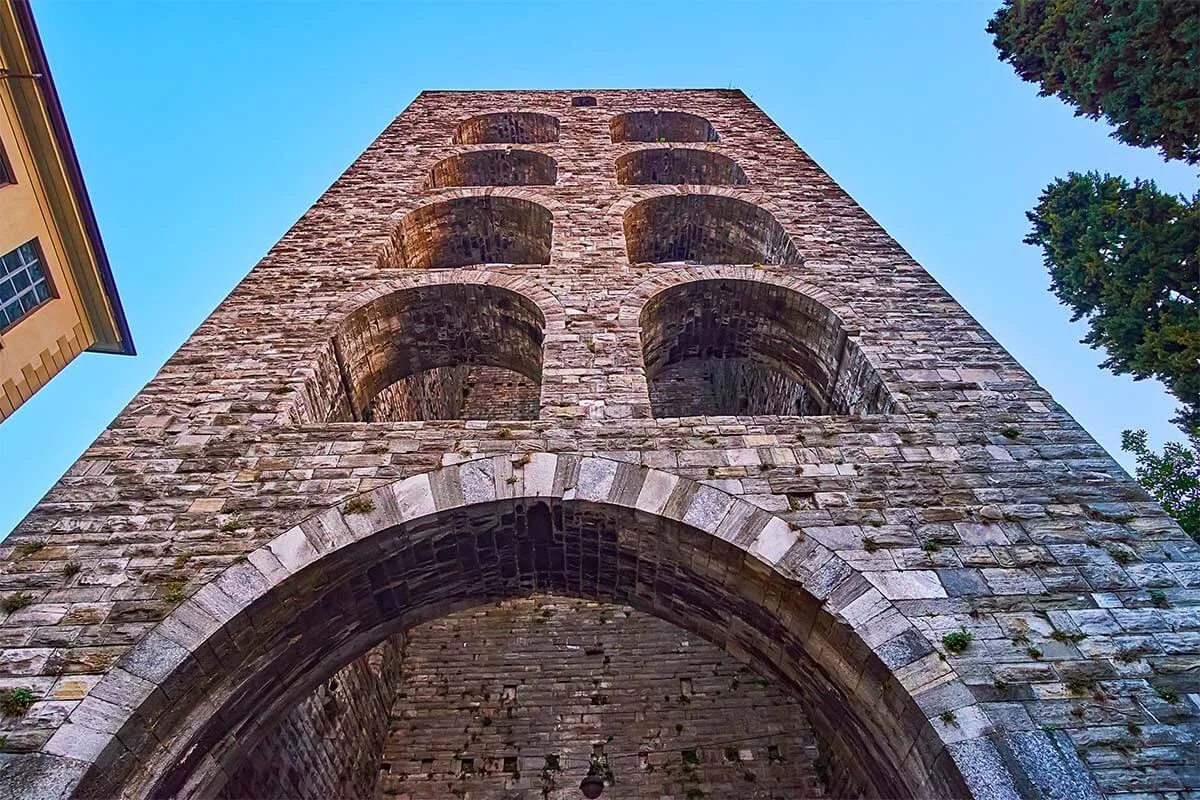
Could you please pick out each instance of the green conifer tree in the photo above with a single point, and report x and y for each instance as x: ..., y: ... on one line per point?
x: 1136, y: 63
x: 1127, y: 260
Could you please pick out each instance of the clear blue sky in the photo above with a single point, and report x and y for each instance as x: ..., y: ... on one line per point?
x: 206, y: 129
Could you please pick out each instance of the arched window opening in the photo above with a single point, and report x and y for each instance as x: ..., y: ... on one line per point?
x: 494, y: 168
x: 742, y: 347
x: 450, y: 351
x: 511, y: 127
x: 583, y: 101
x: 661, y: 126
x: 706, y: 229
x: 679, y: 165
x: 472, y: 230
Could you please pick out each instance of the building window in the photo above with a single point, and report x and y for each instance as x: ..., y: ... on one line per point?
x: 6, y: 173
x: 24, y: 284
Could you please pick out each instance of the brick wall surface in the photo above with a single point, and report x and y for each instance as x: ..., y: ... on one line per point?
x: 328, y: 746
x: 511, y: 701
x: 211, y: 546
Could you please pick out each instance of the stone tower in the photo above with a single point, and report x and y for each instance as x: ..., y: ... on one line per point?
x: 540, y: 355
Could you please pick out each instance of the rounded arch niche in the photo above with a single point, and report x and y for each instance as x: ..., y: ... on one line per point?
x: 511, y: 127
x: 705, y: 229
x: 441, y: 351
x: 732, y: 346
x: 679, y: 165
x: 506, y: 167
x: 661, y: 126
x: 237, y: 656
x: 476, y: 229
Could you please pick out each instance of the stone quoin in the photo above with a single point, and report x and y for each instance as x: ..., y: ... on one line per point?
x: 574, y: 428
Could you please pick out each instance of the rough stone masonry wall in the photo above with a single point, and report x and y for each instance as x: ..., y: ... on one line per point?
x: 460, y: 392
x: 329, y: 745
x: 975, y: 504
x: 696, y: 387
x: 512, y: 700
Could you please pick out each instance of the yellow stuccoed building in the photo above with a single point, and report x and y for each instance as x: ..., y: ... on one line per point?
x: 57, y: 293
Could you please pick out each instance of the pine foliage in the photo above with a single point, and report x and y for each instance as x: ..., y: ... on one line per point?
x: 1127, y: 260
x: 1136, y: 63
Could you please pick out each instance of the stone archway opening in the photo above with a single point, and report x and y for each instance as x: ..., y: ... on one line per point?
x: 513, y: 699
x: 705, y: 229
x: 494, y: 168
x: 353, y: 578
x: 487, y: 229
x: 507, y: 127
x: 679, y: 165
x: 661, y: 126
x: 743, y: 347
x: 445, y: 351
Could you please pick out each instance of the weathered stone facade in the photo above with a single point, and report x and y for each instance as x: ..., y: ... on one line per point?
x: 248, y: 526
x: 329, y: 745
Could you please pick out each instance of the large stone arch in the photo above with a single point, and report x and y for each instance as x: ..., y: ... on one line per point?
x: 201, y: 688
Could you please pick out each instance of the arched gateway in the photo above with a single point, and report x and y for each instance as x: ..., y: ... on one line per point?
x: 738, y: 407
x: 246, y: 648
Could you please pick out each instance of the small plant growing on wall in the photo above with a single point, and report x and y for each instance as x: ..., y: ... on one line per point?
x: 15, y: 702
x: 1168, y: 695
x: 175, y: 592
x: 358, y: 505
x: 15, y: 602
x: 26, y: 549
x: 957, y: 641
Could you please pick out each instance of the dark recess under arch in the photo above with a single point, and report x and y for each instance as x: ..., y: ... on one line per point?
x: 506, y: 167
x: 512, y: 127
x: 740, y: 347
x: 661, y: 126
x: 447, y: 351
x: 705, y: 228
x: 487, y: 229
x: 451, y: 561
x: 679, y: 165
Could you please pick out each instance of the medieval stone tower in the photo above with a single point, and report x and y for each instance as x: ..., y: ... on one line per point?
x: 601, y: 425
